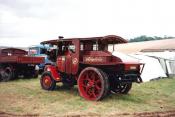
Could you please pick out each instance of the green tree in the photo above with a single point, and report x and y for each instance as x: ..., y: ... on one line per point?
x: 148, y: 38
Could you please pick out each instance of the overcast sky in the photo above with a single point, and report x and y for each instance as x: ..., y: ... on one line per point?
x: 27, y: 22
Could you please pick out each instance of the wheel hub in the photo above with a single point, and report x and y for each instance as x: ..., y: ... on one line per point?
x: 91, y: 84
x: 47, y: 81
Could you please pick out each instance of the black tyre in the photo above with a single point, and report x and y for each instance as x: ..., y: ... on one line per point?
x: 122, y: 88
x: 47, y: 82
x: 6, y: 74
x: 106, y: 91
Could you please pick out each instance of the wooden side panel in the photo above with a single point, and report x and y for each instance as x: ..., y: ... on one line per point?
x: 21, y: 59
x: 10, y: 59
x: 32, y: 60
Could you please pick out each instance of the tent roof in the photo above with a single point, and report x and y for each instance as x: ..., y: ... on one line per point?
x: 156, y: 45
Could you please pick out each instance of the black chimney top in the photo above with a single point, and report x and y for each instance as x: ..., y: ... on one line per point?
x: 60, y: 37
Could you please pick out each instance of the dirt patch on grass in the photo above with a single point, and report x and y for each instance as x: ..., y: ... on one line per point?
x: 4, y: 114
x: 156, y: 114
x: 144, y: 114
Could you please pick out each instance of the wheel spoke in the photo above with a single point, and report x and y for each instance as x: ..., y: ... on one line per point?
x: 87, y: 87
x: 93, y: 77
x: 6, y: 75
x: 86, y: 76
x: 89, y: 80
x: 84, y: 85
x: 97, y: 87
x: 120, y: 86
x: 89, y: 74
x: 93, y: 94
x: 98, y: 81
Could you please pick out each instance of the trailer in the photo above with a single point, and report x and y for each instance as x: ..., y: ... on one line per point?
x: 86, y: 62
x: 15, y: 62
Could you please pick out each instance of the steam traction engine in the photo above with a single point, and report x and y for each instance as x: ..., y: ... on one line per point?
x: 88, y: 63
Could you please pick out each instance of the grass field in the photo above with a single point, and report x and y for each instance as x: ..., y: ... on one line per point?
x: 25, y: 96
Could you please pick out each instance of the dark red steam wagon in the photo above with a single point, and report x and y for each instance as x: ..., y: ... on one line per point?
x: 15, y: 62
x: 88, y: 63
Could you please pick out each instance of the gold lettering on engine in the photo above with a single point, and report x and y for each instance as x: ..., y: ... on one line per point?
x: 93, y: 59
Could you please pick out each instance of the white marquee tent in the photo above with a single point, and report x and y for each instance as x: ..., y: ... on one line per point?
x: 166, y: 59
x: 152, y: 70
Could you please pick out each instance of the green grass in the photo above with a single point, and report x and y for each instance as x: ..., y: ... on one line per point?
x: 25, y: 96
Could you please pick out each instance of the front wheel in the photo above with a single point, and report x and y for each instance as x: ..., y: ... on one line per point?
x: 121, y: 88
x: 47, y: 82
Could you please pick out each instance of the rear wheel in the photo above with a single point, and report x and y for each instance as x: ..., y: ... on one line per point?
x: 47, y: 81
x: 93, y: 84
x: 122, y: 88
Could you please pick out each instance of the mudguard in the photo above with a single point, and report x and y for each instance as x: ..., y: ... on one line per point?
x: 53, y: 70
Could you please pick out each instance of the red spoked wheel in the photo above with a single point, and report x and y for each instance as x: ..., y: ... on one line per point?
x: 47, y: 81
x: 93, y: 84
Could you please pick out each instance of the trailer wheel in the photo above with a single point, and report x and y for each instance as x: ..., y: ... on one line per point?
x: 122, y: 88
x: 47, y: 81
x: 93, y: 84
x: 6, y: 74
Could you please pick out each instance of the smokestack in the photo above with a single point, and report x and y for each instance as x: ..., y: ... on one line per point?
x: 60, y: 37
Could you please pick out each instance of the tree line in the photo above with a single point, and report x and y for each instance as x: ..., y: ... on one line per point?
x: 148, y: 38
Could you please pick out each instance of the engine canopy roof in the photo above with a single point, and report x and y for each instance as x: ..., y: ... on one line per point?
x: 109, y: 39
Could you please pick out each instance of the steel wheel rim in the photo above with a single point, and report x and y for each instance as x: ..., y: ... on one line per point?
x: 90, y: 85
x: 47, y: 82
